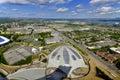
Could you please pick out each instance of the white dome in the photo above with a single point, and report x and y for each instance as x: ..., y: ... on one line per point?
x: 66, y: 56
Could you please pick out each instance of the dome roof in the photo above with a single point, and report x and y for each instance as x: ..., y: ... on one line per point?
x: 66, y: 56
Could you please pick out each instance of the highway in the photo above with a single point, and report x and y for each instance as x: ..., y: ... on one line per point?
x: 110, y: 67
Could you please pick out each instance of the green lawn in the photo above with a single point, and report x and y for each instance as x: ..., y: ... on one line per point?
x: 80, y: 50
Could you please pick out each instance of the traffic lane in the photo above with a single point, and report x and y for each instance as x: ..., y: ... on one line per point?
x: 93, y: 55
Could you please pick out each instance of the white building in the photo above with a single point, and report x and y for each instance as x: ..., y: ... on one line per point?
x: 34, y: 51
x: 56, y: 38
x: 28, y: 74
x: 66, y: 56
x: 40, y: 48
x: 117, y: 50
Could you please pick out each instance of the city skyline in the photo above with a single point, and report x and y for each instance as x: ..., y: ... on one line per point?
x: 60, y: 8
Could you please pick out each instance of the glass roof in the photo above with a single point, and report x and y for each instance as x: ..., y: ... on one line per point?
x: 66, y: 56
x: 76, y: 54
x: 55, y: 53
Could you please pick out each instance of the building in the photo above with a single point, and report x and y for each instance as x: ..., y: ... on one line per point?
x: 102, y: 54
x: 67, y: 59
x: 105, y: 43
x: 56, y: 38
x: 63, y: 62
x: 51, y: 40
x: 15, y: 55
x: 34, y: 51
x: 84, y: 29
x: 111, y: 58
x: 116, y: 50
x: 28, y: 74
x: 40, y: 48
x: 4, y: 40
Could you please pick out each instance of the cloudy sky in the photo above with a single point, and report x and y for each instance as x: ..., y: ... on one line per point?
x: 60, y: 8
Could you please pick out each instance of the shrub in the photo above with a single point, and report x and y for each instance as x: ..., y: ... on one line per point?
x: 101, y: 74
x: 26, y: 61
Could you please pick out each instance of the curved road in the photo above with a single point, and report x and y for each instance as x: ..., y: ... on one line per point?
x: 110, y: 67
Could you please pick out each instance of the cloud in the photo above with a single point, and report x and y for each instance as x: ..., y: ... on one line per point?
x: 103, y: 2
x: 74, y: 13
x: 118, y: 11
x: 62, y: 9
x: 33, y: 2
x: 14, y: 9
x: 105, y: 10
x: 79, y: 10
x: 79, y: 6
x: 15, y: 1
x: 63, y: 1
x: 52, y: 7
x: 57, y: 1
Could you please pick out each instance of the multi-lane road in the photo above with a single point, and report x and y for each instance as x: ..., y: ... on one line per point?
x: 110, y: 67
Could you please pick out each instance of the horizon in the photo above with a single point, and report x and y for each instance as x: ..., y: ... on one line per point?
x: 116, y: 18
x: 63, y: 9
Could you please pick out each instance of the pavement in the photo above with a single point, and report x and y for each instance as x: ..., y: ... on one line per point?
x: 110, y: 67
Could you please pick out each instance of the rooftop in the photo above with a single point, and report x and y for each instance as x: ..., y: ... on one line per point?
x: 17, y: 54
x: 28, y: 74
x: 3, y: 40
x: 117, y: 50
x: 66, y: 56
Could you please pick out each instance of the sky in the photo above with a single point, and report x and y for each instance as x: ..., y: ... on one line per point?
x: 60, y: 8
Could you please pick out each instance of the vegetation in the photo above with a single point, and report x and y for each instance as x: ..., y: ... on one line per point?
x: 93, y: 39
x: 115, y: 36
x: 45, y: 34
x: 42, y: 42
x: 2, y: 60
x: 81, y: 51
x: 117, y: 63
x: 2, y: 50
x: 101, y: 74
x: 105, y: 48
x: 74, y: 25
x: 7, y: 20
x: 100, y: 24
x: 14, y: 36
x: 7, y: 35
x: 3, y: 75
x: 6, y: 47
x: 44, y: 60
x: 26, y: 61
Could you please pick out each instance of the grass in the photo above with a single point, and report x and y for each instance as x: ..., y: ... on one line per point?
x: 2, y: 60
x: 80, y: 50
x: 3, y: 49
x: 35, y: 56
x: 44, y: 60
x: 26, y: 61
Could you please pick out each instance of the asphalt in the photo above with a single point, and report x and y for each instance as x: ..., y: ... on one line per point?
x: 110, y: 67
